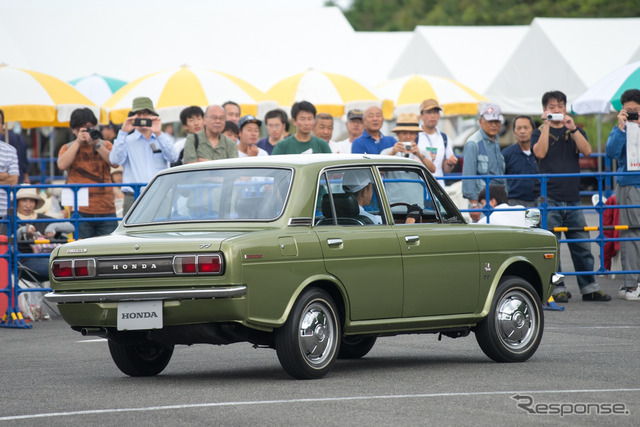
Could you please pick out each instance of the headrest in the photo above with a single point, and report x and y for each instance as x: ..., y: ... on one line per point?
x: 345, y: 203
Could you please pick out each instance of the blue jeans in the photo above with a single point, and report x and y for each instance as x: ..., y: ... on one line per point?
x: 88, y: 229
x: 39, y: 265
x: 580, y: 251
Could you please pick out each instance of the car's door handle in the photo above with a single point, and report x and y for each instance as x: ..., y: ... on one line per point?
x: 334, y: 242
x: 411, y: 239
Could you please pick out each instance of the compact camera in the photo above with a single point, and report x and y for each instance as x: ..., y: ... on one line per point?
x: 138, y: 122
x: 94, y: 133
x: 407, y: 146
x: 632, y: 115
x: 558, y: 117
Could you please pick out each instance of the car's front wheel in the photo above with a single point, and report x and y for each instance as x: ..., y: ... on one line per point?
x: 141, y: 360
x: 512, y: 330
x: 307, y: 344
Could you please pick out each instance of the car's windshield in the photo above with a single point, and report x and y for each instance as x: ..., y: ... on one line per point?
x: 252, y: 194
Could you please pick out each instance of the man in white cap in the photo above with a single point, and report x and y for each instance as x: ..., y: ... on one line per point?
x: 248, y: 135
x: 482, y: 156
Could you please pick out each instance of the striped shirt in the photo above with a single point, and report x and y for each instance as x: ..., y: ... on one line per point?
x: 8, y: 164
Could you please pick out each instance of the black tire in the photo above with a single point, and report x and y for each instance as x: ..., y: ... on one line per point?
x: 141, y: 360
x: 307, y: 344
x: 355, y: 346
x: 512, y: 330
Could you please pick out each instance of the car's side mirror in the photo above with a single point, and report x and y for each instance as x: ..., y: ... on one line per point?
x: 532, y: 216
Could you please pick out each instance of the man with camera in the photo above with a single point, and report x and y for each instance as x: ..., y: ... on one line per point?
x: 141, y: 148
x: 86, y: 160
x: 557, y: 144
x: 627, y: 192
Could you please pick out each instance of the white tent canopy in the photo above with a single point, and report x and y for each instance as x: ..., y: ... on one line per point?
x: 561, y: 54
x: 459, y: 53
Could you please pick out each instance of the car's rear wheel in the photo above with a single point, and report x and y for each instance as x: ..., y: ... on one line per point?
x: 355, y: 347
x: 141, y: 360
x: 512, y: 330
x: 307, y: 344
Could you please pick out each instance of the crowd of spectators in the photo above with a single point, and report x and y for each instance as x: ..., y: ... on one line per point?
x: 142, y: 146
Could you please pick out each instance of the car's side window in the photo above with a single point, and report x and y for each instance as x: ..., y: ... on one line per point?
x: 348, y: 197
x: 412, y: 194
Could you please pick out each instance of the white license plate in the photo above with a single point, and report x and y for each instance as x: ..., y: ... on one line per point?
x: 139, y: 315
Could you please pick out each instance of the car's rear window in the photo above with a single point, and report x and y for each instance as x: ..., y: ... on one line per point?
x: 251, y: 194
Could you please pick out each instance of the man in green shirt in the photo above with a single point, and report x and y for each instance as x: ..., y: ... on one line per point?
x: 303, y: 115
x: 210, y: 143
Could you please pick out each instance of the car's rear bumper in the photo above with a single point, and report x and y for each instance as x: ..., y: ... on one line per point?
x: 87, y: 297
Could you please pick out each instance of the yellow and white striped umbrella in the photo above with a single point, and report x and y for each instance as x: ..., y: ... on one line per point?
x: 408, y: 92
x: 175, y: 89
x: 328, y: 92
x: 38, y: 99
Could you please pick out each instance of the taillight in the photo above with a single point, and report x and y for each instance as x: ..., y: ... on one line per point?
x: 67, y: 269
x: 62, y: 269
x: 209, y: 264
x: 185, y: 264
x: 84, y: 267
x: 198, y: 264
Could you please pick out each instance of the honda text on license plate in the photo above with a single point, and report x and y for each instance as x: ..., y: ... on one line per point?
x: 139, y: 315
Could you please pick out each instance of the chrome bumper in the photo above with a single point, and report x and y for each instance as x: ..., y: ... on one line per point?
x: 235, y: 291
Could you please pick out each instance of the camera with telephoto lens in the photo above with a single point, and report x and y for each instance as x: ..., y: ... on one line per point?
x: 632, y: 115
x: 558, y: 117
x: 94, y: 133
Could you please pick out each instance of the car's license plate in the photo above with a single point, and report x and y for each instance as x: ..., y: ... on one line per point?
x: 139, y: 315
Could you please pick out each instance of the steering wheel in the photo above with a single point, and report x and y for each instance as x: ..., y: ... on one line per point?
x: 408, y: 205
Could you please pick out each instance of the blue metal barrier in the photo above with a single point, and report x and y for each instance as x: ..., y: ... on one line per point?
x: 13, y: 318
x: 601, y: 239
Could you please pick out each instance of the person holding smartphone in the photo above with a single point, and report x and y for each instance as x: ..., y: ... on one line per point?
x: 627, y: 193
x: 141, y: 148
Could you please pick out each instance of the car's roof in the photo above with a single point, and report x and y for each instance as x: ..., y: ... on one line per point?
x: 297, y: 160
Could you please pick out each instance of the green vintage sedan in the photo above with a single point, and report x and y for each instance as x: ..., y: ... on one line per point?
x: 315, y: 256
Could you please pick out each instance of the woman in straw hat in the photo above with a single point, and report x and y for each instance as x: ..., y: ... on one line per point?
x: 28, y: 202
x: 407, y: 129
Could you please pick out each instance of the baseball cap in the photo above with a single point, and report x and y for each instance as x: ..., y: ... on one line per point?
x: 430, y: 104
x: 492, y: 112
x: 354, y: 114
x: 355, y: 180
x: 248, y: 119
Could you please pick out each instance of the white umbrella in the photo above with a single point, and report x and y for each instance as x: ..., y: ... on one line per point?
x: 328, y: 92
x: 175, y: 89
x: 604, y: 96
x: 97, y: 88
x: 38, y: 99
x: 408, y: 92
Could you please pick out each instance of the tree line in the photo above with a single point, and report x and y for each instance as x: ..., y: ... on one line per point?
x: 405, y: 15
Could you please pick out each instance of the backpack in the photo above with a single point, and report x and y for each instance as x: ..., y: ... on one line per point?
x: 444, y: 139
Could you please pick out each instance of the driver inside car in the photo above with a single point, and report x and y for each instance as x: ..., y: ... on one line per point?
x: 360, y: 183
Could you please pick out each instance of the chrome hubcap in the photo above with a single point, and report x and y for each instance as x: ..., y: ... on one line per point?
x: 317, y: 334
x: 516, y: 321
